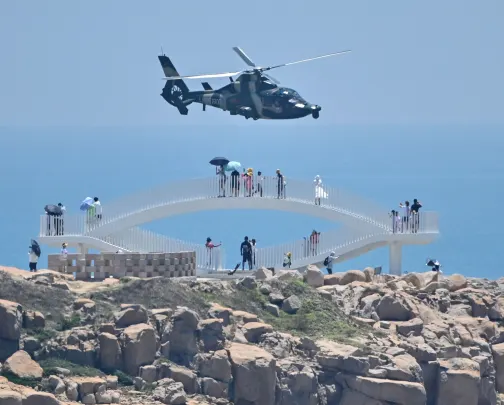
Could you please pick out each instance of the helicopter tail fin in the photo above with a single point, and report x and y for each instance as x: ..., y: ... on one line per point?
x: 175, y: 92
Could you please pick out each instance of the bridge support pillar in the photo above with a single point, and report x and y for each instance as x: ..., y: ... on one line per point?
x: 395, y: 258
x: 82, y: 249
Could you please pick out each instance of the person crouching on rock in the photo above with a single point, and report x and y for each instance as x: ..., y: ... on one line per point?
x: 287, y: 261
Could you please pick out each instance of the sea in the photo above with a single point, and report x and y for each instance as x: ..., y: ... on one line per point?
x: 455, y: 170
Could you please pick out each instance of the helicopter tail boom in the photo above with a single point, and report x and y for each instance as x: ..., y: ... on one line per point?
x: 175, y: 92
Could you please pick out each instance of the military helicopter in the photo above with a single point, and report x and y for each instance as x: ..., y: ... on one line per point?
x: 254, y: 94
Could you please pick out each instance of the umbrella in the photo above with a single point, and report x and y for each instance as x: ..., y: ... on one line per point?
x: 219, y: 161
x: 35, y: 247
x: 233, y: 166
x: 53, y: 210
x: 86, y: 204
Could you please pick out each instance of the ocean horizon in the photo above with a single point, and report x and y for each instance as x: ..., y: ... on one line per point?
x: 454, y: 170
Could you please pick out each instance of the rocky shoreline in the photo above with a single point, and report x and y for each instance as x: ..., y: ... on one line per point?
x: 353, y: 338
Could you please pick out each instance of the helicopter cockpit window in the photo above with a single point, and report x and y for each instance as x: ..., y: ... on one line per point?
x: 286, y: 92
x: 267, y: 85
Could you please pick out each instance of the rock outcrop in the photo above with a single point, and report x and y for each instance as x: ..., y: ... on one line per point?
x: 419, y: 339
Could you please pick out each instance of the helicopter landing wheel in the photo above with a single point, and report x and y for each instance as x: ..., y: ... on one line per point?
x: 315, y: 114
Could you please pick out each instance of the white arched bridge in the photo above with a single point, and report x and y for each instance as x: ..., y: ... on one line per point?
x: 365, y: 225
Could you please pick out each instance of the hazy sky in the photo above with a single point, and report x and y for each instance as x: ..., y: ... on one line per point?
x: 95, y: 62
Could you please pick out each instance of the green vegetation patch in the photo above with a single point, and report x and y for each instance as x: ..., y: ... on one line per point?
x: 51, y: 365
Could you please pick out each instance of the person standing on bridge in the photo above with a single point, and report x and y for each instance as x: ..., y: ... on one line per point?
x: 235, y: 183
x: 319, y: 191
x: 259, y: 184
x: 221, y: 173
x: 406, y: 215
x: 280, y: 184
x: 246, y: 253
x: 415, y: 215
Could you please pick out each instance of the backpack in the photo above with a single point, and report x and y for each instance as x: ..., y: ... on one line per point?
x: 326, y: 261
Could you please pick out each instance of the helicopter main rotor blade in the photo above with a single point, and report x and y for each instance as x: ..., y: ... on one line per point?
x: 209, y: 76
x: 306, y: 60
x: 244, y: 57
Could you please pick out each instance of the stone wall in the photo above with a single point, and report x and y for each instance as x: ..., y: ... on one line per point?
x: 117, y: 265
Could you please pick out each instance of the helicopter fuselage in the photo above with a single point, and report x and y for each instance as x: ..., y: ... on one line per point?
x: 253, y: 96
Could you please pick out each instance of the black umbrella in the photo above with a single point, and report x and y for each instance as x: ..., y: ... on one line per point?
x: 219, y: 161
x: 35, y: 247
x: 53, y: 210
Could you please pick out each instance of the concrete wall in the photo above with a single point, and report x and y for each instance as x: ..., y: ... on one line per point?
x: 119, y: 265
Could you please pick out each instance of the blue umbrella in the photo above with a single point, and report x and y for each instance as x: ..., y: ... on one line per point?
x: 233, y: 166
x: 86, y: 204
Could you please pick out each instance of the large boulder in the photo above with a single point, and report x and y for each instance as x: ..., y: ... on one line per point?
x: 458, y: 382
x: 33, y: 320
x: 8, y: 397
x: 110, y: 351
x: 254, y: 375
x: 21, y: 365
x: 335, y: 356
x: 138, y: 347
x: 333, y: 279
x: 496, y: 312
x: 353, y: 275
x: 392, y: 308
x: 498, y: 357
x: 457, y: 282
x: 389, y: 391
x: 214, y: 365
x: 263, y: 274
x: 170, y: 392
x: 314, y: 277
x: 297, y: 385
x: 130, y: 314
x: 211, y: 334
x: 181, y: 332
x: 11, y: 320
x: 254, y: 330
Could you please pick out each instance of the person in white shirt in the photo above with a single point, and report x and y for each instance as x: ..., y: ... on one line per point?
x: 328, y: 262
x: 319, y: 190
x: 33, y: 260
x: 405, y: 215
x: 64, y: 255
x: 98, y: 208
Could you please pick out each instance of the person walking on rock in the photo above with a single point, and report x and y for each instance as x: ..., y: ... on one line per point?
x: 33, y: 260
x: 329, y: 261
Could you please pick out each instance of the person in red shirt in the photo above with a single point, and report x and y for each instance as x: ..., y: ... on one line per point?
x: 210, y: 245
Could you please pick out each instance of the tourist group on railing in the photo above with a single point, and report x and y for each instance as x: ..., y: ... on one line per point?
x: 407, y: 221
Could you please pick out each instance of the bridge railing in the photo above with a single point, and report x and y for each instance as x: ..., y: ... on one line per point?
x: 269, y: 187
x: 144, y: 241
x: 338, y: 241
